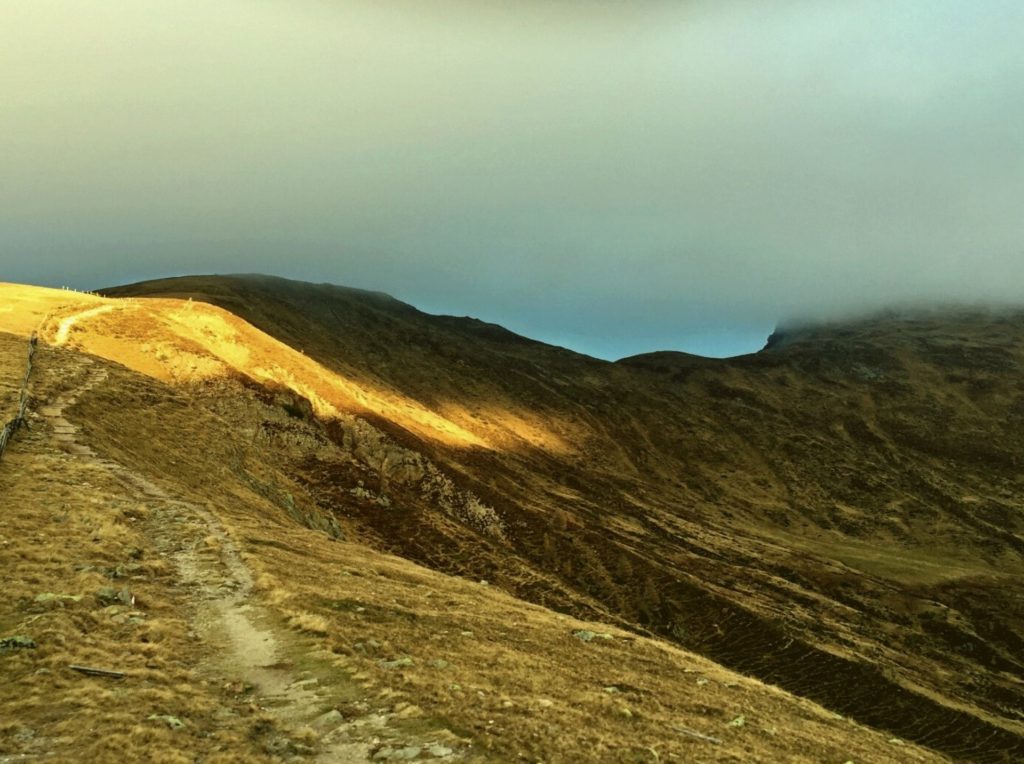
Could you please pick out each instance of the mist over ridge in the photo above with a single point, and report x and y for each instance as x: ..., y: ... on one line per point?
x: 615, y: 178
x: 636, y: 380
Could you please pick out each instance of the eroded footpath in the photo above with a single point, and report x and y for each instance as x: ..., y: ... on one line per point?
x: 161, y: 594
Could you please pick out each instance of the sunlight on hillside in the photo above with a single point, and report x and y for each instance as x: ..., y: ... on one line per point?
x: 838, y: 516
x: 187, y: 342
x: 505, y: 425
x: 24, y: 308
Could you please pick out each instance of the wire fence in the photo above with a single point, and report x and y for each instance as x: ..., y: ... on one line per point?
x: 19, y: 420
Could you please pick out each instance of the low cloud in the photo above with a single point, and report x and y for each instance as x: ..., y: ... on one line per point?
x: 619, y: 177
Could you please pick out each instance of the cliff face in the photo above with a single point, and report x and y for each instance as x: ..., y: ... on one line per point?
x: 841, y: 514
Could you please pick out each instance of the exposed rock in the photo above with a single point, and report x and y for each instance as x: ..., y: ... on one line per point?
x: 109, y: 595
x: 17, y: 642
x: 50, y: 597
x: 586, y: 635
x: 406, y: 754
x: 327, y: 721
x: 171, y: 721
x: 397, y: 663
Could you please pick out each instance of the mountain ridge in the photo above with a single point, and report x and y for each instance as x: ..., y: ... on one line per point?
x: 839, y: 517
x: 214, y: 286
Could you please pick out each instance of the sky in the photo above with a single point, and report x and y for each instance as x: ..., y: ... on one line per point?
x: 616, y: 176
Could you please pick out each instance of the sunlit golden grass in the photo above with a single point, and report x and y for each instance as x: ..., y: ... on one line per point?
x: 183, y: 341
x: 24, y: 308
x: 504, y: 677
x: 768, y: 516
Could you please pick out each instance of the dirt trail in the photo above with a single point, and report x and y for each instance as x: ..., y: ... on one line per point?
x: 250, y: 644
x: 66, y: 323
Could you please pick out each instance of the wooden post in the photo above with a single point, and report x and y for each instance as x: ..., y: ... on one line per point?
x: 19, y: 419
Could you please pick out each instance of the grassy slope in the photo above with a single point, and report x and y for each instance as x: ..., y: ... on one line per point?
x: 516, y: 683
x: 822, y: 461
x: 797, y: 515
x: 840, y: 514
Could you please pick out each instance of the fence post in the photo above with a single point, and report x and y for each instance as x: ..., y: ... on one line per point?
x: 19, y: 419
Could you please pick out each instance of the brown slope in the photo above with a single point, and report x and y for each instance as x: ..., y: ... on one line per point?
x: 840, y: 514
x: 179, y: 490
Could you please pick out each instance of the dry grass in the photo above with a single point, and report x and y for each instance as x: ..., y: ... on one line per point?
x: 773, y: 541
x: 310, y: 623
x: 186, y: 342
x: 69, y: 538
x: 515, y: 679
x: 507, y: 680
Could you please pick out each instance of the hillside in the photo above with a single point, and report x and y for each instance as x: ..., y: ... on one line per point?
x: 839, y: 516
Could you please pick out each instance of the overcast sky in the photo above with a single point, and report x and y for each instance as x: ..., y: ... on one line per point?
x: 614, y: 176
